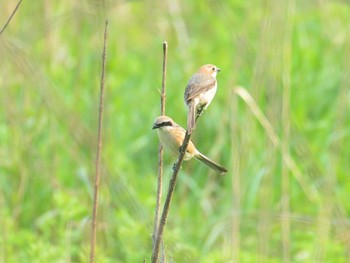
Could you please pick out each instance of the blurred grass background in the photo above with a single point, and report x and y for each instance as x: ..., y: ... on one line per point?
x: 291, y: 56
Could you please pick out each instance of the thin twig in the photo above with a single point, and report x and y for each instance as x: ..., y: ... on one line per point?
x: 169, y: 197
x: 99, y: 148
x: 160, y: 149
x: 13, y: 13
x: 163, y: 95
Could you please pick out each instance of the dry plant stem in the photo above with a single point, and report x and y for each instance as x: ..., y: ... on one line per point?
x: 159, y: 191
x: 99, y: 148
x: 236, y: 144
x: 165, y: 62
x: 8, y: 21
x: 160, y: 149
x: 285, y: 139
x: 169, y: 197
x: 309, y: 189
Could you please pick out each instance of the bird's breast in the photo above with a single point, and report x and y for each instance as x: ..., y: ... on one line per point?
x: 172, y: 139
x: 207, y: 97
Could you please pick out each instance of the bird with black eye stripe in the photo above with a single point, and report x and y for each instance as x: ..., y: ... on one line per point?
x: 171, y: 136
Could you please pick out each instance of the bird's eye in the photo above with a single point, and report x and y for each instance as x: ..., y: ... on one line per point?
x: 167, y: 123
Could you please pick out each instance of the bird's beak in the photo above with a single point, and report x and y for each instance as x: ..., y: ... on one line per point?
x: 155, y: 126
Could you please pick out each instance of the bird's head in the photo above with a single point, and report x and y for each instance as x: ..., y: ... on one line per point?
x: 209, y: 69
x: 163, y: 121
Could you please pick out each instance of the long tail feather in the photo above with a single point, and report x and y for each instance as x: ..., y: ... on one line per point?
x: 191, y: 119
x: 216, y: 167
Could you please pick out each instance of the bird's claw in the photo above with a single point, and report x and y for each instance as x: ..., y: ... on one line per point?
x: 200, y: 110
x: 175, y: 167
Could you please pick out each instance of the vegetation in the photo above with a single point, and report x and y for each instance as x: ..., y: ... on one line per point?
x: 285, y: 198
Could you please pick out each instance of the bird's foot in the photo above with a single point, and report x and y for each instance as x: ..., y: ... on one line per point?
x: 175, y: 166
x: 200, y: 110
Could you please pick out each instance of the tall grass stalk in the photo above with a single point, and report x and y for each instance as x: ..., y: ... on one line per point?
x: 171, y: 189
x: 160, y: 151
x: 236, y: 155
x: 309, y: 189
x: 99, y: 149
x: 285, y: 143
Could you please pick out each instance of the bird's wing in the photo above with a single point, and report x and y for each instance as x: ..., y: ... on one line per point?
x: 179, y: 135
x: 179, y: 130
x: 198, y: 84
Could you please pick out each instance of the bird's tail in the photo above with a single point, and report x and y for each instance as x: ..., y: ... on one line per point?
x: 191, y: 119
x: 216, y: 167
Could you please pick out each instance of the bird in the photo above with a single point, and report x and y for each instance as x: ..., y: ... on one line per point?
x: 199, y: 93
x: 171, y: 136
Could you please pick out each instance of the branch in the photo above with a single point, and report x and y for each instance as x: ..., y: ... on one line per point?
x: 160, y: 149
x: 169, y: 197
x: 99, y: 148
x: 8, y: 21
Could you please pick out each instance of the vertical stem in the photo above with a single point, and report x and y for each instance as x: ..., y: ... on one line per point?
x: 328, y: 211
x: 172, y: 184
x: 236, y: 145
x: 160, y: 148
x: 338, y: 151
x: 99, y: 148
x: 163, y: 95
x: 285, y: 223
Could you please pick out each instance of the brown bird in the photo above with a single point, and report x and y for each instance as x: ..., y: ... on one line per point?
x: 171, y: 136
x: 199, y: 93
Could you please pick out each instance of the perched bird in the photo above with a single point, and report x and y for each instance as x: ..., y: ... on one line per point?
x: 171, y: 136
x: 200, y: 91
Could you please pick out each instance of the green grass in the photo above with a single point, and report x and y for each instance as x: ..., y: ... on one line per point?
x: 49, y: 82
